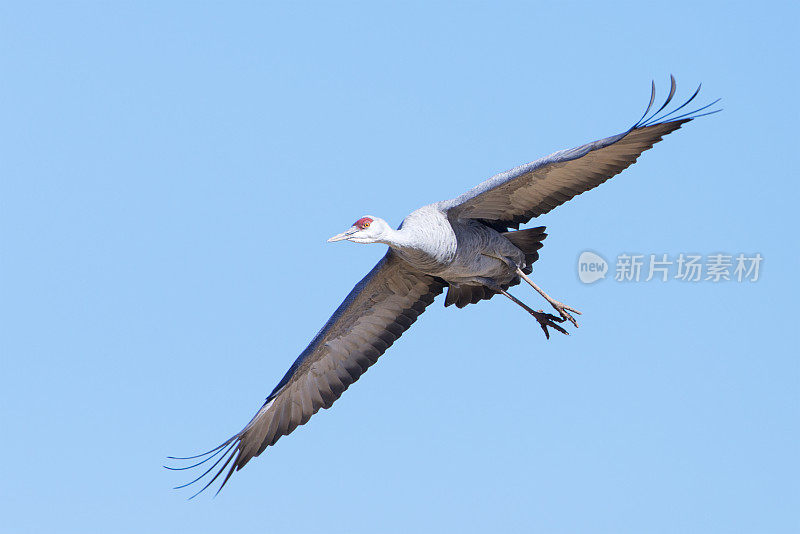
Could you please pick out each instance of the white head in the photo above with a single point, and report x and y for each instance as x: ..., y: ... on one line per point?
x: 368, y: 229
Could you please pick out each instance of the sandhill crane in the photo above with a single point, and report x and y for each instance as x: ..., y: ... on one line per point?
x: 470, y: 245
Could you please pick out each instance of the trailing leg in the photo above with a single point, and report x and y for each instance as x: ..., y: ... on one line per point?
x: 545, y: 320
x: 560, y: 307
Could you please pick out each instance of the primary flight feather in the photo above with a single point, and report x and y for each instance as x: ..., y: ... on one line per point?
x: 469, y: 245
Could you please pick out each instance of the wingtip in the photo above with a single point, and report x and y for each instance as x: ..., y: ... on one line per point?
x: 658, y: 117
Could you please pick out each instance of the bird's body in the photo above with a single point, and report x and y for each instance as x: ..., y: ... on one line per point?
x: 469, y: 245
x: 457, y: 251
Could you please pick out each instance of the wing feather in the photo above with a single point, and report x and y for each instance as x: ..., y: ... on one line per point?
x: 373, y: 316
x: 514, y: 197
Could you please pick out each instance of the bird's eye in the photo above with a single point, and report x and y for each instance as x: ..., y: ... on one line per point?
x: 363, y: 223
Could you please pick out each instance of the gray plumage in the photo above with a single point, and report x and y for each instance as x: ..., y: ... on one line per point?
x: 467, y: 244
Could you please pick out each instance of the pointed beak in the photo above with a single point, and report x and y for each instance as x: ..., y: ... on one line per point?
x: 344, y: 235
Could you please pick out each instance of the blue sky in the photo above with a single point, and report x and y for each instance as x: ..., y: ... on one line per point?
x: 169, y: 175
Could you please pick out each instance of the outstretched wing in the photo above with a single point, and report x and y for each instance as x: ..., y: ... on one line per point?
x: 514, y: 197
x: 376, y: 313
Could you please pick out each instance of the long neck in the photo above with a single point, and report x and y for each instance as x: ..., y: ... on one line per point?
x: 427, y: 247
x: 398, y: 239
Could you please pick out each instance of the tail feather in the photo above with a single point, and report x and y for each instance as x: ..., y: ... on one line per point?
x: 529, y: 241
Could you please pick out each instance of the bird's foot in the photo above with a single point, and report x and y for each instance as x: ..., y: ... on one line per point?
x: 545, y: 319
x: 563, y: 310
x: 548, y: 320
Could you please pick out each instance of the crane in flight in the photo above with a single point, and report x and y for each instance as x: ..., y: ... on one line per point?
x: 470, y: 245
